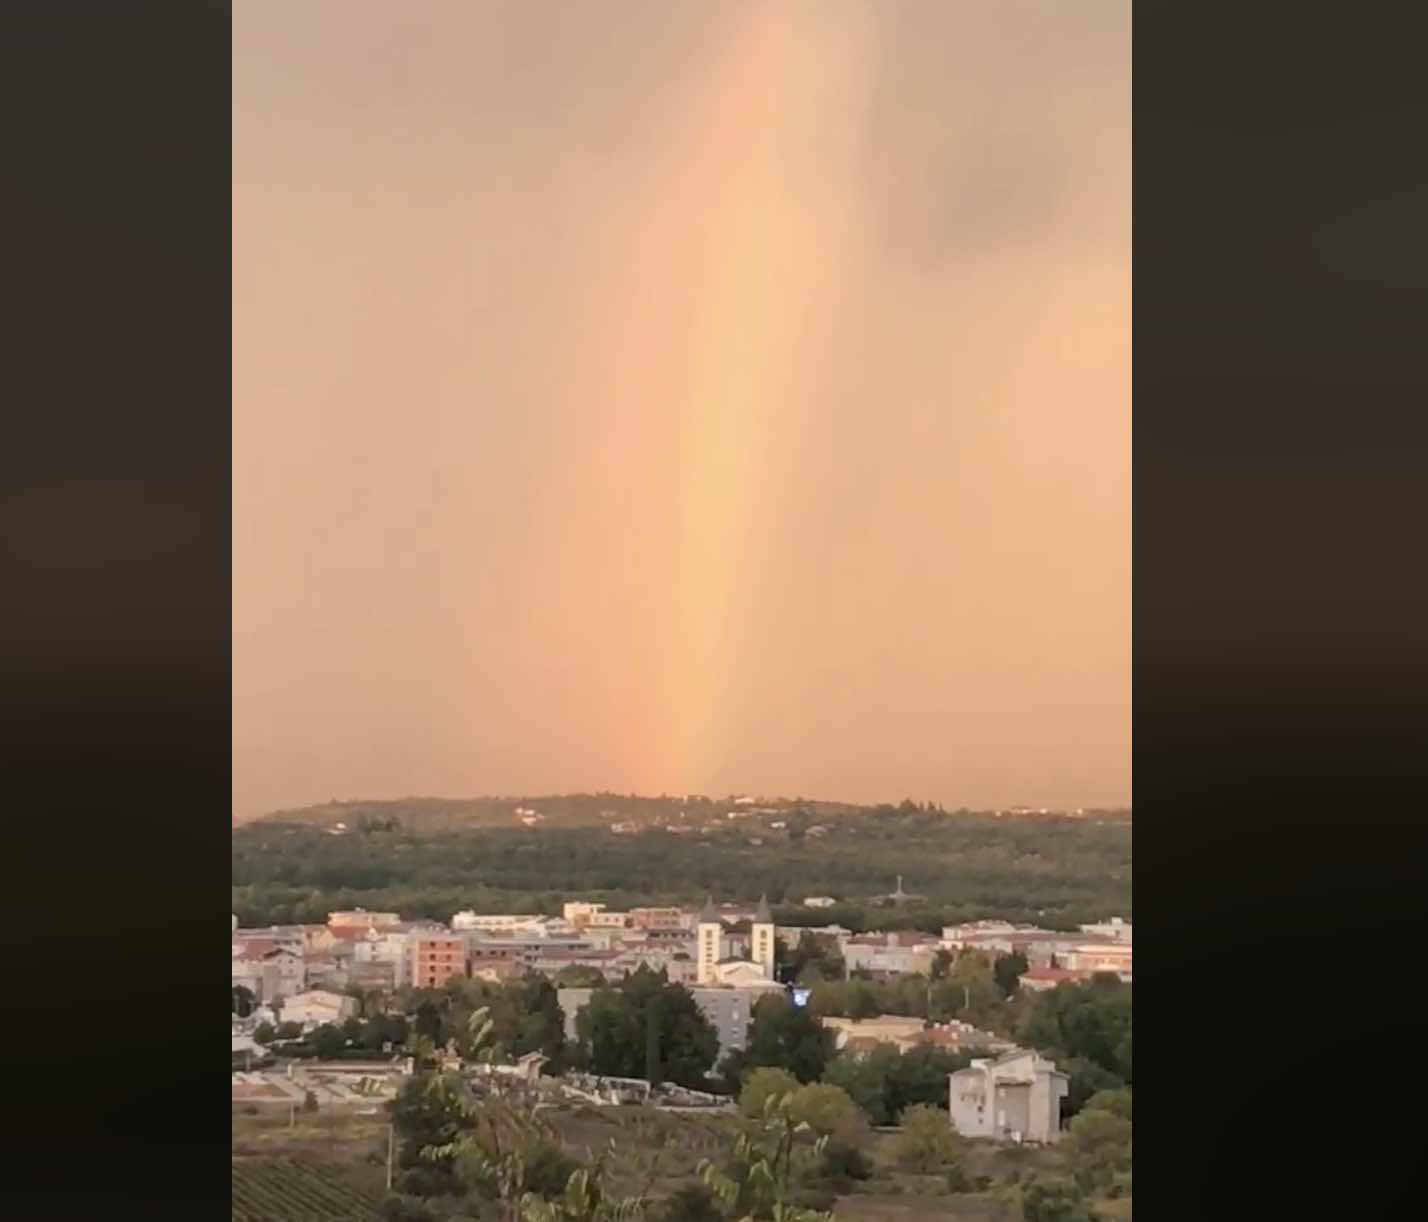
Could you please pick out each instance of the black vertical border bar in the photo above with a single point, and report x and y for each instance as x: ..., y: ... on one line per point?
x: 1280, y: 611
x: 115, y: 624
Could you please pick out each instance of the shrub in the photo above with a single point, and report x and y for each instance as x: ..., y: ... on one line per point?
x: 1053, y: 1198
x: 761, y: 1085
x: 830, y: 1112
x: 842, y: 1161
x: 398, y: 1208
x: 426, y: 1181
x: 692, y: 1203
x: 956, y: 1179
x: 926, y: 1142
x: 1098, y: 1148
x: 548, y: 1168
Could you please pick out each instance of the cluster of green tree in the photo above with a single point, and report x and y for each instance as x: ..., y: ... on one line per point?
x: 1086, y: 1029
x: 330, y: 1041
x: 885, y: 1082
x: 1096, y: 1156
x: 971, y: 987
x: 645, y: 1027
x: 781, y: 1036
x: 810, y: 959
x: 809, y: 1112
x: 524, y: 1016
x: 1057, y: 871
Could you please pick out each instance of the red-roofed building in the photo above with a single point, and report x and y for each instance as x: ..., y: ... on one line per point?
x: 1039, y: 979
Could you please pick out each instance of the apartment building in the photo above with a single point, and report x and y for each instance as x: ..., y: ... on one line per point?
x: 436, y: 958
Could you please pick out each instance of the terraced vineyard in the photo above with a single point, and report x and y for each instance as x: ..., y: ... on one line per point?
x: 281, y: 1190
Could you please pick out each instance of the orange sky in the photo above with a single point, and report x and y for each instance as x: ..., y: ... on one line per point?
x: 664, y: 398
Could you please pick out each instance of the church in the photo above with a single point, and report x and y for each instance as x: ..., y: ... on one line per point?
x: 714, y: 968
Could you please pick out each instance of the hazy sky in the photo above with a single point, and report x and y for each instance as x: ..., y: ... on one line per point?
x: 669, y: 397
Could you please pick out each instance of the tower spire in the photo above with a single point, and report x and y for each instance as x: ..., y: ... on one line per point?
x: 762, y: 915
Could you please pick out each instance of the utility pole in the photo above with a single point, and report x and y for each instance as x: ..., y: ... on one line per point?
x: 391, y: 1142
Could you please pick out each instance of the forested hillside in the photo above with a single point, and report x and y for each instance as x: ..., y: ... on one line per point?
x: 433, y: 858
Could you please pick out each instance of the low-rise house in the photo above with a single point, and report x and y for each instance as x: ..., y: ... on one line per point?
x: 1039, y: 979
x: 313, y: 1007
x: 666, y: 919
x: 893, y: 954
x: 269, y: 974
x: 1114, y: 958
x: 863, y: 1033
x: 1016, y: 1097
x: 1117, y: 929
x: 956, y: 1036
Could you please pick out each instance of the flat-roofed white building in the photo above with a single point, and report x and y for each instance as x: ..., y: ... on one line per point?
x: 1016, y: 1097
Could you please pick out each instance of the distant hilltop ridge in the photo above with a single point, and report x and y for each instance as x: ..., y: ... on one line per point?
x: 624, y: 812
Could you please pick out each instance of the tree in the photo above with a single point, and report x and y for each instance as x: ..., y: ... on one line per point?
x: 327, y: 1041
x: 926, y: 1142
x: 1098, y: 1145
x: 1117, y: 1102
x: 289, y: 1031
x: 243, y: 1000
x: 585, y: 1199
x: 828, y: 1111
x: 884, y: 1082
x: 810, y: 960
x: 763, y: 1084
x: 1008, y: 971
x: 623, y: 1026
x: 1090, y: 1021
x: 969, y: 992
x: 428, y: 1022
x: 1053, y: 1198
x: 867, y: 1078
x: 756, y: 1180
x: 920, y: 1076
x: 264, y: 1033
x: 785, y: 1036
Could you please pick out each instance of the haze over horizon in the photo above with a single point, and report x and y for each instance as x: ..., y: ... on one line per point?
x: 701, y: 398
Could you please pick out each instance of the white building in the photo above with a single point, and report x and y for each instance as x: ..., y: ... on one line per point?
x: 819, y: 901
x: 1116, y: 929
x: 1016, y: 1097
x: 503, y: 922
x: 360, y: 918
